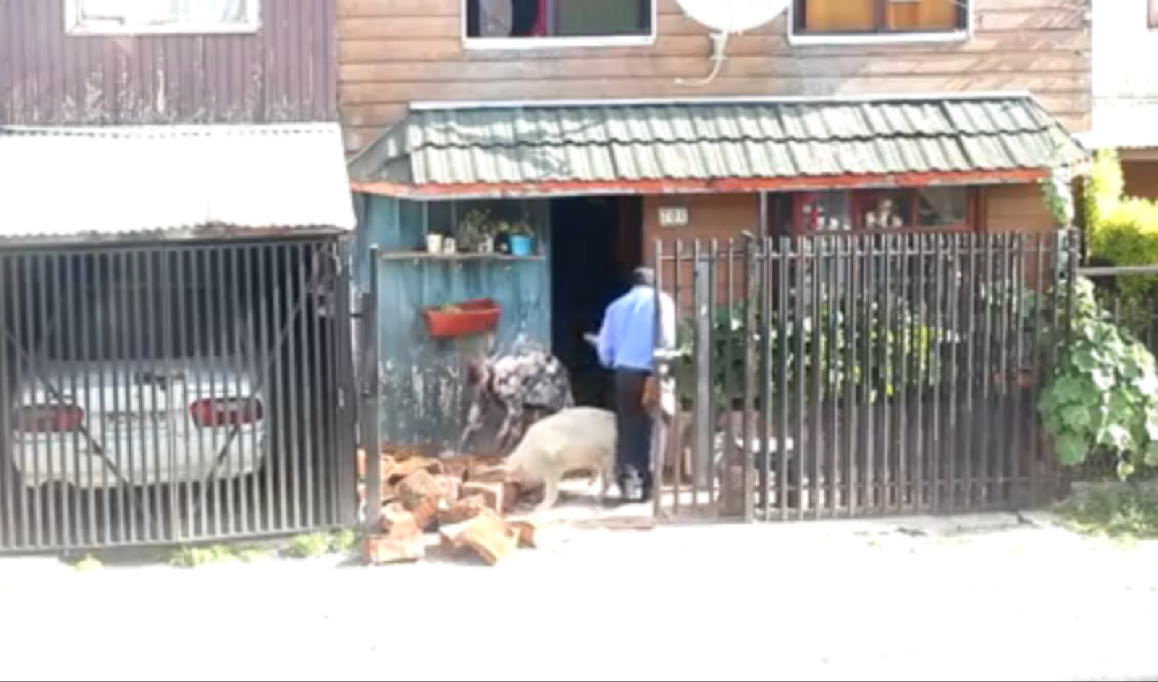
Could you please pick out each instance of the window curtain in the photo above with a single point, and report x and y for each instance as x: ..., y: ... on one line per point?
x: 840, y: 15
x: 921, y: 15
x: 495, y: 19
x: 899, y: 15
x: 541, y: 24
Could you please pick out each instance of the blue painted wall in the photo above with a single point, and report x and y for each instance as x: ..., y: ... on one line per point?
x: 423, y: 397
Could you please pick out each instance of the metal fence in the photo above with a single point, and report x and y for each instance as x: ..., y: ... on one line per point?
x: 174, y: 393
x: 1129, y: 295
x: 862, y: 375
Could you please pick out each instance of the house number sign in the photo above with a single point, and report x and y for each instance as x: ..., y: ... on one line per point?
x: 673, y: 216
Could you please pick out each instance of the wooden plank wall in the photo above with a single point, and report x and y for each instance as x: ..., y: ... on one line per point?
x: 286, y: 72
x: 397, y: 51
x: 424, y: 401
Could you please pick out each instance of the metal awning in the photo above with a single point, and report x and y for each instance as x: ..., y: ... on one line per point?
x: 704, y: 145
x: 172, y: 181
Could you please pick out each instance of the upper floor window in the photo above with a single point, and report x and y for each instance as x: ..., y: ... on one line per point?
x: 552, y: 23
x: 163, y: 16
x: 897, y: 19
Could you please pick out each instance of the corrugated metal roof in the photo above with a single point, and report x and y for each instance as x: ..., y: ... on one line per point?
x: 119, y: 181
x: 608, y: 142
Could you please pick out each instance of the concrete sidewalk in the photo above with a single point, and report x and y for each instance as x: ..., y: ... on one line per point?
x: 947, y: 599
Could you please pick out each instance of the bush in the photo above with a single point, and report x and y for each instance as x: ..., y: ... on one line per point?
x: 1103, y: 395
x: 1128, y: 235
x: 900, y: 354
x: 1104, y: 188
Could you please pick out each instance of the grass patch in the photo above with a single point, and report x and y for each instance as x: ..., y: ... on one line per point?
x: 318, y: 545
x: 310, y: 546
x: 88, y: 564
x: 345, y: 541
x: 193, y: 557
x: 250, y: 555
x: 1125, y: 512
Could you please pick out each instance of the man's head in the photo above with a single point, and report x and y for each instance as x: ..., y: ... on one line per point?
x: 643, y: 277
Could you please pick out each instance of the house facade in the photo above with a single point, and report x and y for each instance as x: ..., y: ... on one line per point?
x: 1125, y: 87
x: 396, y: 53
x: 223, y: 92
x: 614, y: 123
x: 173, y: 220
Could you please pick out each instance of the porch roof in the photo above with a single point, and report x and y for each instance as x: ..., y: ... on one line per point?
x: 172, y: 181
x: 718, y: 144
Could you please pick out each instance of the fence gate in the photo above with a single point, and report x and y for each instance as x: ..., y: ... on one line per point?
x: 843, y: 376
x: 174, y: 393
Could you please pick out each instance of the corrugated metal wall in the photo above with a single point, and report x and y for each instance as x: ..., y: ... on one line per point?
x: 286, y: 72
x: 423, y: 403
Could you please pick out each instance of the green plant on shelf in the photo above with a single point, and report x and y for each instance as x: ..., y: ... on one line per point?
x: 476, y: 230
x: 521, y: 228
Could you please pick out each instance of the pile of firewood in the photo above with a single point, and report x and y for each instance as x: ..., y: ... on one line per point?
x: 466, y: 501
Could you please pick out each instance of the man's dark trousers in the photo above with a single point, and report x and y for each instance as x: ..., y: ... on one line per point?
x: 634, y: 425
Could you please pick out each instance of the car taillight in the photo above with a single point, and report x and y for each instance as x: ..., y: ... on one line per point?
x: 49, y: 418
x: 225, y: 412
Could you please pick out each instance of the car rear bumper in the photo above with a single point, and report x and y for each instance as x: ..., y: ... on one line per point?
x: 136, y: 461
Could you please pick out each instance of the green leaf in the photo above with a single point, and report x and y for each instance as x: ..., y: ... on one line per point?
x: 1102, y: 379
x: 1152, y: 455
x: 1085, y: 359
x: 1125, y: 469
x: 1119, y: 437
x: 1072, y: 450
x: 1076, y: 417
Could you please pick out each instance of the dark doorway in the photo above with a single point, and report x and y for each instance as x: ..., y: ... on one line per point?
x: 596, y: 241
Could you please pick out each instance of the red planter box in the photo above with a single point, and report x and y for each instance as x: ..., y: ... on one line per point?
x: 471, y: 317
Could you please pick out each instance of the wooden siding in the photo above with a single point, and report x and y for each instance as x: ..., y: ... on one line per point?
x: 1016, y: 208
x: 720, y: 217
x: 424, y: 401
x: 1141, y: 178
x: 392, y: 52
x: 284, y: 73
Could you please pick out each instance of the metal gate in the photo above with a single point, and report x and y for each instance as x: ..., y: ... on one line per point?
x: 843, y: 376
x: 174, y: 393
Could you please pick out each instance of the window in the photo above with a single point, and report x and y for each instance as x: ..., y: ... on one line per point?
x: 880, y: 17
x: 163, y: 16
x: 1152, y: 11
x: 548, y: 22
x: 911, y: 210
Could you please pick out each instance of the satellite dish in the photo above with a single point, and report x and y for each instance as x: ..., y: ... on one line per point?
x: 733, y: 16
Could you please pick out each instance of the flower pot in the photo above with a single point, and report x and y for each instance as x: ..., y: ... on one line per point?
x: 468, y: 317
x: 522, y: 245
x: 434, y: 243
x: 486, y: 246
x: 449, y: 246
x: 503, y: 243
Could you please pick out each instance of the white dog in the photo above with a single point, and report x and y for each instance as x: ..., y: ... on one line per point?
x: 574, y: 439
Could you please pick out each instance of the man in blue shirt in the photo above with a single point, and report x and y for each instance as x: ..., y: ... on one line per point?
x: 626, y: 344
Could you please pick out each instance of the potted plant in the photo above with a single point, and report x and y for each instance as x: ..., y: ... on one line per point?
x: 501, y: 231
x: 451, y: 320
x: 474, y: 232
x: 522, y: 239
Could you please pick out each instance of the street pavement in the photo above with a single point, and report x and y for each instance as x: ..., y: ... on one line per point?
x: 982, y: 598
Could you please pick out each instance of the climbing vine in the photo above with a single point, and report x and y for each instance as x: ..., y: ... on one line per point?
x: 1103, y: 395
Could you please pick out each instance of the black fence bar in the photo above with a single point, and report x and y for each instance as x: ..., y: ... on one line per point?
x: 174, y: 393
x: 851, y: 375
